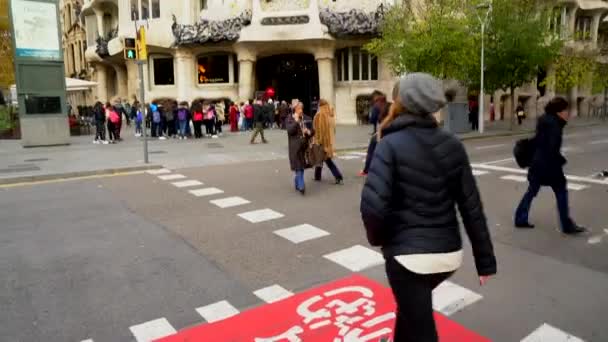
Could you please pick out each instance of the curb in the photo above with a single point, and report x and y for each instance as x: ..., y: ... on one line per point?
x: 78, y: 174
x: 480, y: 137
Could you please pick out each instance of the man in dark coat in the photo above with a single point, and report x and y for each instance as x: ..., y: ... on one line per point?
x: 259, y: 118
x: 547, y: 165
x: 299, y: 132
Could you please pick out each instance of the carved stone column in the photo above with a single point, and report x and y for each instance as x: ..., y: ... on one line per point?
x: 325, y: 58
x: 595, y: 26
x: 122, y: 80
x: 185, y: 74
x: 246, y: 57
x: 102, y: 83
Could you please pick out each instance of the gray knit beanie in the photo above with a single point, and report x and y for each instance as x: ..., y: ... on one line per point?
x: 421, y: 94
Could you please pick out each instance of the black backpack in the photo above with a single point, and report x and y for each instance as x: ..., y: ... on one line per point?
x: 524, y: 152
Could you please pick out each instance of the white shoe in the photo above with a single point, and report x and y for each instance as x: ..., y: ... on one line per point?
x: 105, y: 142
x: 162, y: 138
x: 96, y: 142
x: 215, y: 137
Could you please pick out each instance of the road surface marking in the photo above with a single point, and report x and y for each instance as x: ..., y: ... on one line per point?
x: 572, y: 135
x: 206, y: 192
x: 597, y: 142
x: 70, y: 179
x: 301, y: 233
x: 229, y: 202
x: 356, y: 258
x: 449, y: 298
x: 187, y: 183
x: 158, y: 172
x: 360, y: 154
x: 520, y: 171
x: 272, y: 293
x: 576, y: 187
x: 595, y: 239
x: 479, y: 173
x: 152, y: 330
x: 217, y: 311
x: 171, y: 177
x: 89, y: 340
x: 569, y: 149
x: 499, y: 161
x: 546, y: 333
x: 349, y: 157
x: 520, y: 179
x: 489, y: 146
x: 262, y: 215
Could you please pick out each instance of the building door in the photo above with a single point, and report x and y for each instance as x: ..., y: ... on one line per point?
x: 291, y: 77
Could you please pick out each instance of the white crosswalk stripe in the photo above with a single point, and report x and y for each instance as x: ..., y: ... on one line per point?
x: 171, y: 177
x: 548, y: 333
x: 520, y: 179
x: 449, y: 298
x: 356, y: 258
x: 152, y: 330
x: 272, y: 293
x: 479, y: 172
x: 158, y: 172
x: 576, y: 187
x: 206, y: 192
x: 301, y: 233
x: 217, y: 311
x: 347, y: 157
x: 187, y: 183
x: 229, y: 202
x: 89, y: 340
x: 262, y: 215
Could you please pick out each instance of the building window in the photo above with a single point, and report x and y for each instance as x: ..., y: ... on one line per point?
x: 145, y: 9
x: 235, y: 67
x: 163, y: 71
x: 204, y: 5
x: 213, y: 69
x: 356, y: 64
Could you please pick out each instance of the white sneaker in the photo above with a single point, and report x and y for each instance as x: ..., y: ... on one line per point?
x: 105, y: 142
x: 215, y: 137
x: 162, y: 138
x: 96, y: 142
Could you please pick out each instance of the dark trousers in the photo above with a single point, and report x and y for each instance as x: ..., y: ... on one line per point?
x: 413, y: 294
x: 111, y: 131
x: 370, y: 153
x: 198, y: 132
x: 332, y: 167
x: 100, y: 130
x: 249, y: 124
x: 259, y: 129
x: 520, y: 119
x: 209, y: 127
x: 561, y: 196
x: 171, y: 128
x: 218, y: 126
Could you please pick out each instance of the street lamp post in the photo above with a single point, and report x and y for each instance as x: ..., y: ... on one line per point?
x: 487, y: 7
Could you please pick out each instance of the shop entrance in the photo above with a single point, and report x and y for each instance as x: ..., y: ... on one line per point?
x: 291, y: 77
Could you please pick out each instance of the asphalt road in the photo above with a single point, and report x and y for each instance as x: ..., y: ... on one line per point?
x: 93, y: 259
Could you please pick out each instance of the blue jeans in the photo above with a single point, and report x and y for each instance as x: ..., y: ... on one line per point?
x: 182, y: 127
x: 299, y: 180
x: 561, y: 195
x: 332, y: 167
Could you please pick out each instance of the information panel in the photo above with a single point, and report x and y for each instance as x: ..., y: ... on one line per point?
x: 36, y: 29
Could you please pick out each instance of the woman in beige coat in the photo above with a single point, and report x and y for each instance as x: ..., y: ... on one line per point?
x: 325, y: 135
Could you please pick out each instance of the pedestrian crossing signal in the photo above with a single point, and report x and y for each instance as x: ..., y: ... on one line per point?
x: 130, y: 49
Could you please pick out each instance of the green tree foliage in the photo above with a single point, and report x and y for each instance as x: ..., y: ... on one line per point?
x: 518, y: 44
x: 433, y: 38
x: 600, y: 77
x: 572, y: 68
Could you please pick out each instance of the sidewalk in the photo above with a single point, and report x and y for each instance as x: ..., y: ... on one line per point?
x: 83, y: 158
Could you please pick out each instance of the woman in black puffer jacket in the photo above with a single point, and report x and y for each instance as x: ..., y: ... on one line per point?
x: 419, y: 174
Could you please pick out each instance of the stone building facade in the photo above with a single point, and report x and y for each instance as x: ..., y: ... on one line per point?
x: 73, y: 39
x: 235, y: 49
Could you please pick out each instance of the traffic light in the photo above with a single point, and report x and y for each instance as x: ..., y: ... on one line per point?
x: 130, y: 48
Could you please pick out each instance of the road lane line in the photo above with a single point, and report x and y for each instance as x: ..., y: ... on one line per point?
x: 206, y: 192
x: 301, y: 233
x: 449, y: 298
x: 217, y: 311
x: 262, y: 215
x: 356, y: 258
x: 360, y: 154
x: 520, y: 179
x: 272, y: 293
x: 521, y: 171
x: 349, y: 157
x: 479, y: 172
x: 487, y: 147
x: 89, y: 340
x: 171, y: 177
x: 576, y: 187
x: 549, y: 333
x: 187, y: 183
x: 597, y: 142
x: 499, y: 161
x: 229, y: 202
x: 152, y: 330
x: 70, y: 179
x: 158, y: 172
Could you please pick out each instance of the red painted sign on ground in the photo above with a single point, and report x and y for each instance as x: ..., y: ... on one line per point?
x: 353, y: 309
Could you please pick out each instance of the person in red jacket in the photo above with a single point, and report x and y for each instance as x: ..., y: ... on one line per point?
x: 233, y: 118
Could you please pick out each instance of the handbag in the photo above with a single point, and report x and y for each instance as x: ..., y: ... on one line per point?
x: 316, y: 154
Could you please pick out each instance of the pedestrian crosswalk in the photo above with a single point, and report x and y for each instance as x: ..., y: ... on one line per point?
x: 449, y: 298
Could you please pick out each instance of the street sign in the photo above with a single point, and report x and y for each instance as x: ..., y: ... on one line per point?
x: 130, y: 50
x: 353, y: 309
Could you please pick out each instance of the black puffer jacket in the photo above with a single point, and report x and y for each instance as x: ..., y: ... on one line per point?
x: 408, y: 204
x: 547, y: 164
